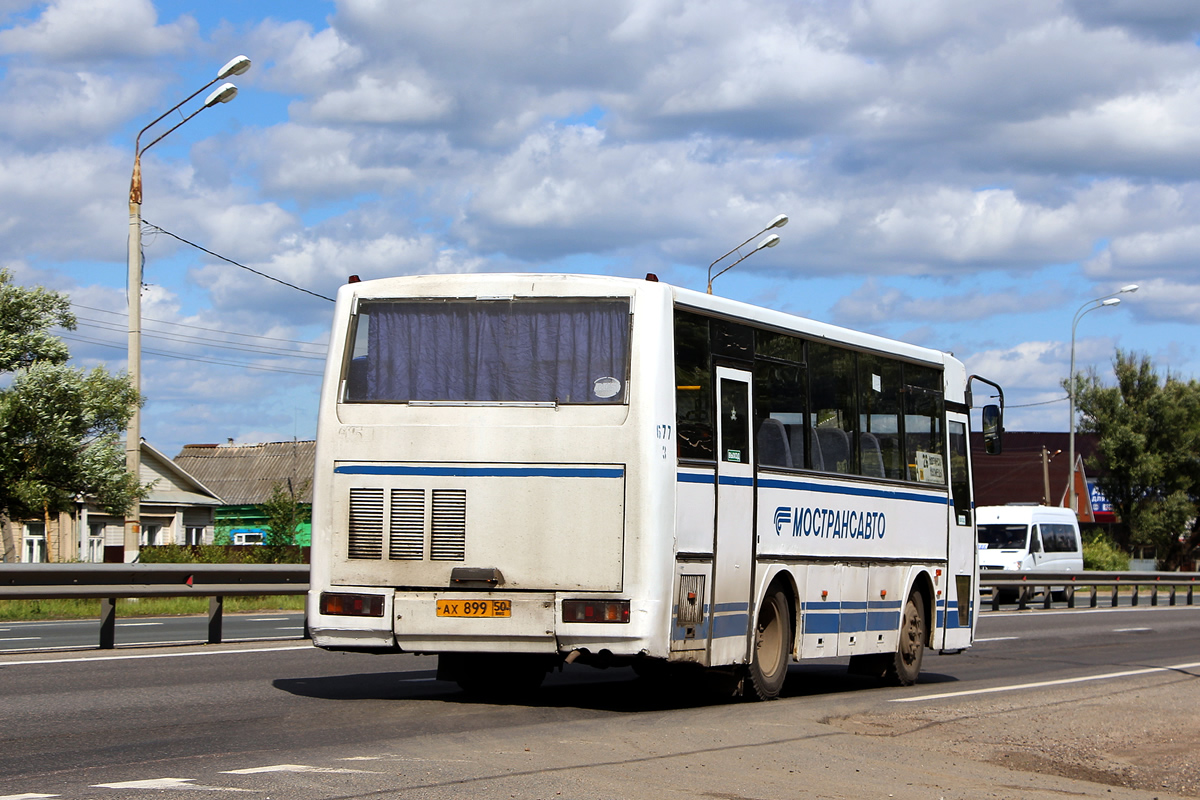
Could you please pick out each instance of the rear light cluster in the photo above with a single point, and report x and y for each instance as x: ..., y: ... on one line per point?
x: 595, y: 610
x: 352, y: 605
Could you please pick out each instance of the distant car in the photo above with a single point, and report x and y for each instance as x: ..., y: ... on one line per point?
x: 1015, y: 537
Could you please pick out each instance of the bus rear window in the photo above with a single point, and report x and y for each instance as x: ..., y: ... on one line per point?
x: 563, y: 351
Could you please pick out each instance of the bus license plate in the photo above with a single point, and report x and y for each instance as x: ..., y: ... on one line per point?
x: 474, y: 608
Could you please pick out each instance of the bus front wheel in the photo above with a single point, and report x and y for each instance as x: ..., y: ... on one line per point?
x: 772, y: 647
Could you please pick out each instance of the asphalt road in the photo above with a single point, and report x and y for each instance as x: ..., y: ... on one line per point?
x: 1048, y: 704
x: 133, y: 631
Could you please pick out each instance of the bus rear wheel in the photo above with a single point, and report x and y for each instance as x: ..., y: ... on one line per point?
x: 772, y: 647
x: 906, y: 666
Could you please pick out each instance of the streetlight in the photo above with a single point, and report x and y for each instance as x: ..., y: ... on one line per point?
x: 133, y: 433
x: 770, y: 241
x: 1106, y: 301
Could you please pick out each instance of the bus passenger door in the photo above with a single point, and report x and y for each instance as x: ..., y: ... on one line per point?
x: 961, y: 585
x: 734, y: 545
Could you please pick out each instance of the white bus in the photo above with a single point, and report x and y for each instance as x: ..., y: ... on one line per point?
x: 517, y: 471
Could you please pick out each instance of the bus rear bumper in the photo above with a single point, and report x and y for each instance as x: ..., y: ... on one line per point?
x: 438, y: 623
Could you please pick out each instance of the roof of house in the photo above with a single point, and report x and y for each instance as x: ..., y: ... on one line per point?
x: 1016, y: 474
x: 171, y: 483
x: 245, y: 474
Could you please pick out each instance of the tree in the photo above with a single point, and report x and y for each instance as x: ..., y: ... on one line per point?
x: 59, y: 425
x: 1148, y: 454
x: 284, y: 513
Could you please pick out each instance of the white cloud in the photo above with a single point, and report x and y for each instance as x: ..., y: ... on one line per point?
x: 305, y: 161
x: 381, y: 101
x: 44, y: 107
x: 874, y: 303
x: 71, y: 30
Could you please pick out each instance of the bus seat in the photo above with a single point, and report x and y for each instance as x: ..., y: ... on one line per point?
x: 835, y: 449
x: 797, y: 440
x: 772, y: 444
x: 869, y: 452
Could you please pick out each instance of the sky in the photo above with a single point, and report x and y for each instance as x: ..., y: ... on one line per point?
x: 963, y: 176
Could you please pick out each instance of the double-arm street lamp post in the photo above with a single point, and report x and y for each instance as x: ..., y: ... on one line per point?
x: 770, y: 241
x: 133, y: 433
x: 1106, y: 301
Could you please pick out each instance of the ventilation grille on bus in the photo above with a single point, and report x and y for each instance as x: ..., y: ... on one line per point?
x: 407, y: 535
x: 418, y: 522
x: 366, y: 523
x: 448, y: 538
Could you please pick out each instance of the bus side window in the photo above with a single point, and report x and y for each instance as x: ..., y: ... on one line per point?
x: 833, y: 412
x: 960, y: 484
x: 693, y: 388
x: 880, y: 385
x: 923, y: 414
x: 779, y: 406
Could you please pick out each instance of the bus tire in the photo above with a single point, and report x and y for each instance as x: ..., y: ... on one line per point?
x: 906, y: 666
x: 772, y: 648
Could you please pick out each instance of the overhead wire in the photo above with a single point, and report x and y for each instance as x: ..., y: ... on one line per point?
x: 231, y: 261
x: 124, y: 315
x: 182, y: 357
x: 245, y: 347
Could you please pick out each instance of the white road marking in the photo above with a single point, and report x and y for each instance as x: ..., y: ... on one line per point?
x: 28, y: 796
x: 167, y: 783
x: 998, y: 639
x: 20, y: 639
x: 138, y: 624
x: 1044, y: 612
x: 85, y: 659
x: 1131, y: 630
x: 1038, y: 684
x: 265, y: 619
x: 294, y: 768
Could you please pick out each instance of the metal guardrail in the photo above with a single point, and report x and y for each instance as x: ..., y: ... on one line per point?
x: 218, y: 581
x: 110, y: 581
x: 1027, y: 583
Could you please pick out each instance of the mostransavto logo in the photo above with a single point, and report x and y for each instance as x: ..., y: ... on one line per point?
x: 829, y: 523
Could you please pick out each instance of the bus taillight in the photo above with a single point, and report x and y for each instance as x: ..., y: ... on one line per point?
x: 595, y: 610
x: 351, y: 605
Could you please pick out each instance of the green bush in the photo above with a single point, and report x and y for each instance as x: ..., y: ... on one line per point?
x: 221, y: 554
x: 1099, y: 553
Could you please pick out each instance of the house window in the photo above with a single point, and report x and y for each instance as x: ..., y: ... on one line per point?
x: 95, y: 542
x: 194, y: 535
x: 150, y: 535
x: 35, y: 543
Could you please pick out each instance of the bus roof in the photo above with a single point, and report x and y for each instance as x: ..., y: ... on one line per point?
x: 502, y: 284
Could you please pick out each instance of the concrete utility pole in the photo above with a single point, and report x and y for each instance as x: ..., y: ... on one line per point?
x: 133, y: 433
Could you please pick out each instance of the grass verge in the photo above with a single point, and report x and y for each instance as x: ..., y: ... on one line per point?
x: 30, y: 610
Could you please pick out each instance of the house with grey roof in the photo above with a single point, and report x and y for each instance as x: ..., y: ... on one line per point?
x: 180, y: 509
x: 244, y: 475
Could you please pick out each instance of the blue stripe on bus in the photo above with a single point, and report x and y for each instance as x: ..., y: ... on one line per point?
x: 809, y: 486
x: 728, y: 619
x: 851, y: 616
x: 484, y: 472
x: 730, y: 480
x: 854, y: 491
x: 732, y: 619
x: 730, y: 625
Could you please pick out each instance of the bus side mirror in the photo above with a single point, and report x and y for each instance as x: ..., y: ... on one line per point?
x: 993, y: 427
